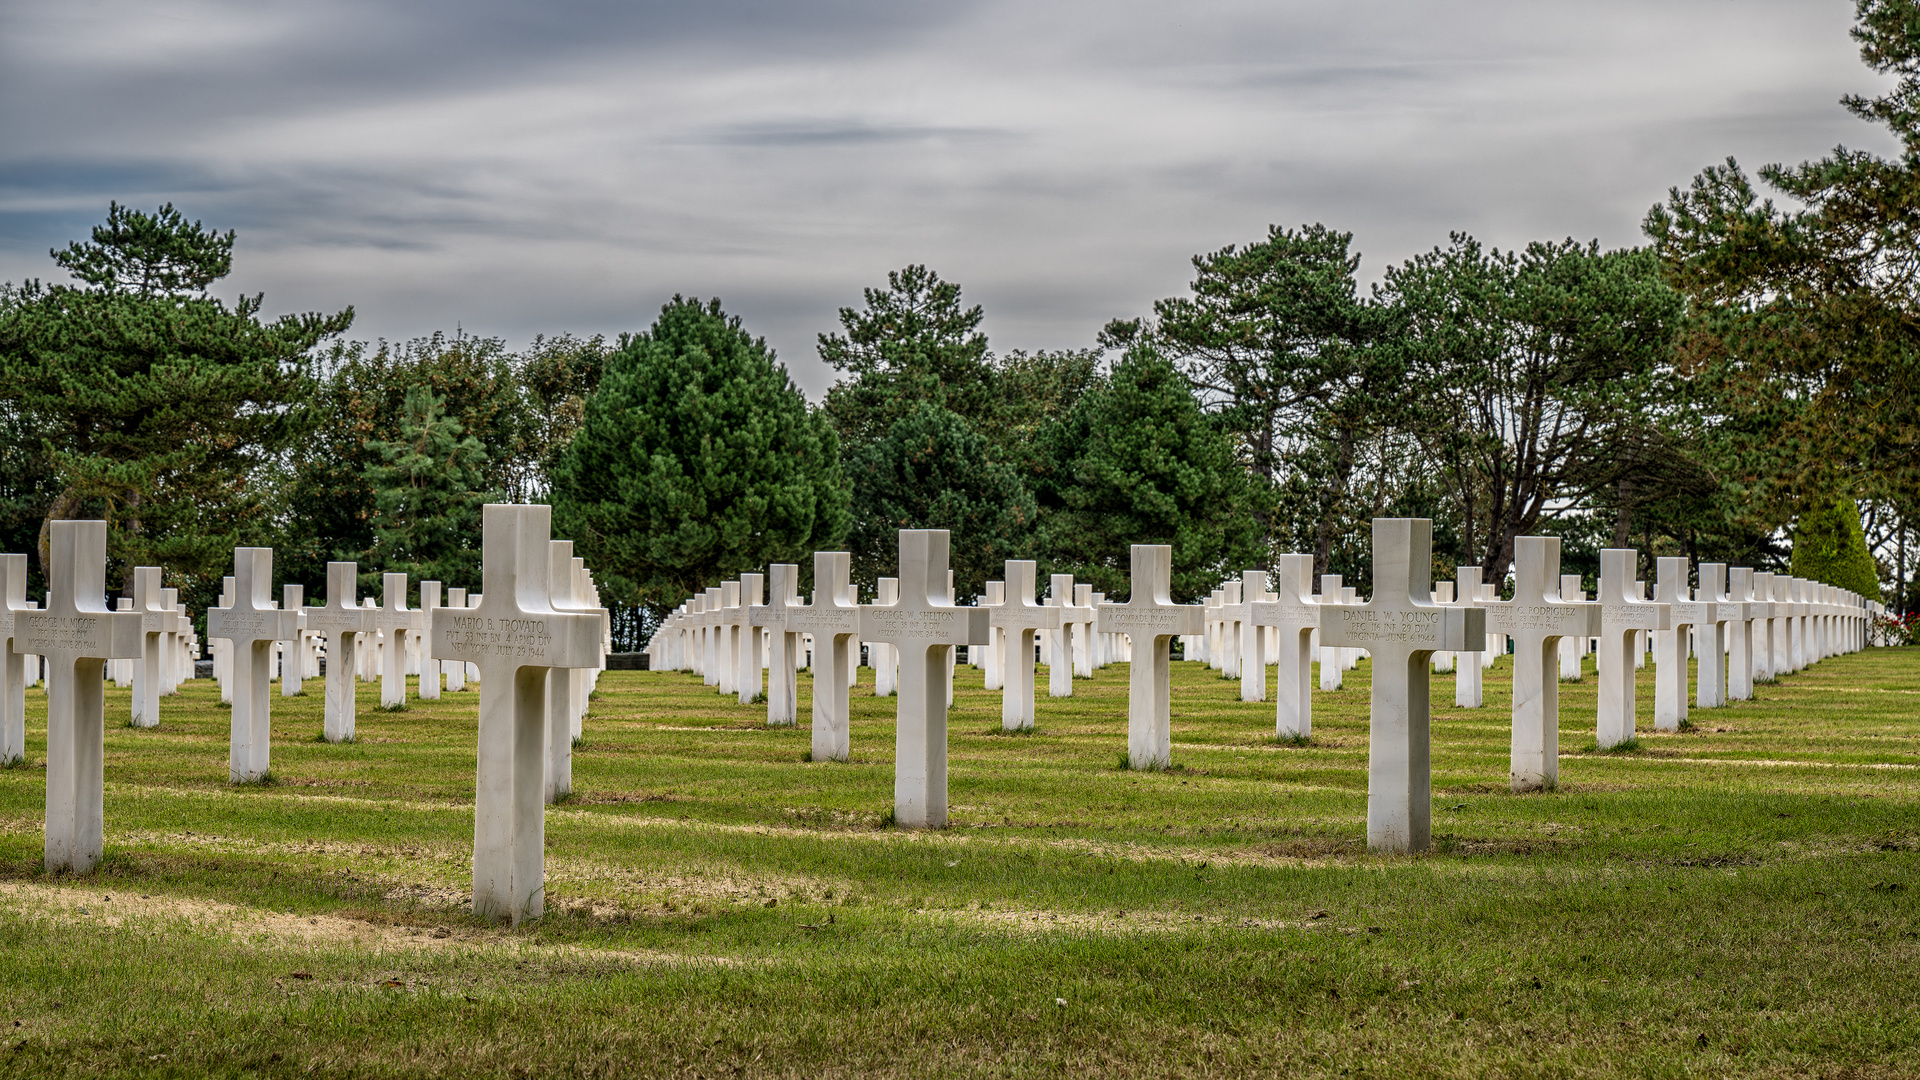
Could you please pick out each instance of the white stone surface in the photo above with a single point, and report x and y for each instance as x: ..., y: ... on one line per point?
x: 834, y: 621
x: 1466, y: 592
x: 993, y: 671
x: 1151, y: 620
x: 1571, y: 647
x: 1294, y: 616
x: 1538, y: 618
x: 1331, y: 662
x: 514, y: 636
x: 346, y: 625
x: 1400, y: 627
x: 157, y: 623
x: 293, y: 659
x: 77, y: 635
x: 1672, y: 645
x: 886, y: 667
x: 1018, y: 618
x: 746, y: 645
x: 429, y: 685
x: 1711, y: 636
x: 13, y: 664
x: 1623, y: 615
x: 783, y: 644
x: 1253, y: 669
x: 921, y: 625
x: 250, y: 624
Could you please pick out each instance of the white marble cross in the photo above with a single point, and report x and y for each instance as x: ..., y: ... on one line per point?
x: 993, y: 669
x: 1332, y: 660
x: 1253, y: 670
x: 515, y: 637
x: 292, y: 655
x: 13, y: 666
x: 223, y: 650
x: 746, y: 647
x: 1018, y: 618
x: 1443, y: 595
x: 920, y: 626
x: 175, y: 643
x: 345, y: 623
x: 77, y: 635
x: 1400, y: 627
x: 783, y: 644
x: 561, y: 681
x: 886, y: 592
x: 834, y: 621
x: 1537, y: 619
x: 1152, y: 620
x: 1295, y: 616
x: 398, y: 621
x: 1751, y: 616
x: 429, y: 686
x: 1060, y: 660
x: 1081, y: 631
x: 1711, y: 681
x: 456, y: 671
x: 1466, y: 676
x: 156, y: 622
x: 1572, y: 648
x: 1670, y: 666
x: 1622, y: 616
x: 250, y: 624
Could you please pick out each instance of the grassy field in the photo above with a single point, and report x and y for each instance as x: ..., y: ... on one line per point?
x: 1739, y: 899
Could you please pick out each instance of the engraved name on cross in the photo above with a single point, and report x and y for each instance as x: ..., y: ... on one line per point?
x: 920, y: 626
x: 1400, y: 627
x: 514, y: 637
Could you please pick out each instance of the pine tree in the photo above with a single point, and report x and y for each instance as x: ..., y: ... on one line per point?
x: 429, y: 486
x: 1830, y: 547
x: 696, y: 459
x: 1137, y: 462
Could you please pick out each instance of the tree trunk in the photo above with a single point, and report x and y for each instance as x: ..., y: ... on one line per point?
x: 1623, y: 524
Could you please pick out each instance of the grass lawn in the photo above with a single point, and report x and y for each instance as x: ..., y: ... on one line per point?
x: 1739, y: 899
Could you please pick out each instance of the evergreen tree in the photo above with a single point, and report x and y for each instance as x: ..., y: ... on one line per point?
x: 912, y: 343
x: 1137, y: 462
x: 147, y: 401
x: 429, y: 486
x: 933, y: 471
x: 696, y: 459
x: 1830, y: 547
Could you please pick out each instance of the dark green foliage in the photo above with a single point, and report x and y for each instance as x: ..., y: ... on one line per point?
x: 428, y: 488
x: 329, y: 503
x: 141, y: 400
x: 1137, y: 462
x: 933, y: 471
x: 1806, y: 330
x: 912, y: 343
x: 696, y: 459
x: 1829, y: 547
x: 1533, y: 379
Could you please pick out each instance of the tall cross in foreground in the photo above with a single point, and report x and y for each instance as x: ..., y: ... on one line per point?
x: 1623, y: 615
x: 921, y: 625
x: 344, y: 622
x: 514, y: 636
x: 250, y: 624
x: 1400, y: 627
x: 1152, y: 620
x: 1019, y: 617
x: 77, y: 635
x: 1537, y: 619
x: 1295, y: 616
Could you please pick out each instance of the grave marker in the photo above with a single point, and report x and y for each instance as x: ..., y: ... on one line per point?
x: 1670, y: 666
x: 1711, y: 636
x: 1400, y: 627
x: 783, y: 644
x: 1538, y: 619
x: 344, y: 622
x: 156, y: 625
x: 746, y: 631
x: 1253, y: 669
x: 1018, y: 618
x: 429, y: 686
x: 293, y: 652
x: 250, y: 624
x: 993, y: 675
x: 1294, y: 616
x: 77, y: 635
x: 834, y: 621
x: 1152, y: 620
x: 515, y: 637
x: 921, y: 625
x: 1622, y: 616
x: 1467, y: 676
x: 13, y: 663
x: 1331, y: 661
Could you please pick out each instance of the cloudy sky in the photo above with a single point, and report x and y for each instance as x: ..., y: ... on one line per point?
x: 515, y: 168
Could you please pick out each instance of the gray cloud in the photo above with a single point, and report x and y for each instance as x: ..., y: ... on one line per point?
x: 516, y: 168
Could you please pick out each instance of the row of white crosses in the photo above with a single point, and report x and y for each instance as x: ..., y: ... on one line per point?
x: 1402, y: 626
